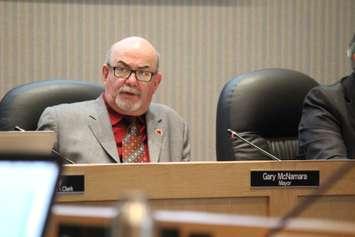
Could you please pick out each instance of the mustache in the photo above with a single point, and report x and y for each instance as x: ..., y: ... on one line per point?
x: 127, y: 89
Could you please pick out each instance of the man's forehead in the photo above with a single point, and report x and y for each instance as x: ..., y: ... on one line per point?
x: 135, y: 51
x: 134, y: 44
x: 134, y: 58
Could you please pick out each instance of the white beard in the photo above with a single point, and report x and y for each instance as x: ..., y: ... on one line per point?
x: 127, y: 106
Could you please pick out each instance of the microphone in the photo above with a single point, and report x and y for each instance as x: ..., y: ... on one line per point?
x: 62, y: 157
x: 18, y: 128
x: 233, y: 133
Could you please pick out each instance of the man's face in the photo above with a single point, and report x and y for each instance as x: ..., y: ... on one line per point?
x: 128, y: 95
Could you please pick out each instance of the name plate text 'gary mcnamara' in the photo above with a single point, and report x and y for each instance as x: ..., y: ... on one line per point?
x: 284, y: 178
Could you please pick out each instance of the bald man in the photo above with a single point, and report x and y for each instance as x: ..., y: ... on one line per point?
x: 122, y: 125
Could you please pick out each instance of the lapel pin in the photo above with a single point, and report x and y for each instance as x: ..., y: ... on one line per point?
x: 159, y: 131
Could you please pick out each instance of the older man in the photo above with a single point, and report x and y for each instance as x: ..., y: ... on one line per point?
x: 327, y: 127
x: 122, y: 125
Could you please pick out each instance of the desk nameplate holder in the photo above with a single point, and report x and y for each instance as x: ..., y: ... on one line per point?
x: 284, y: 178
x: 71, y: 184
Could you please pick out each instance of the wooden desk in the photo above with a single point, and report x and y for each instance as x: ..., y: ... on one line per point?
x: 222, y: 187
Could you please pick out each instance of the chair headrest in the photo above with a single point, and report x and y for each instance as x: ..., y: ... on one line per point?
x: 267, y: 102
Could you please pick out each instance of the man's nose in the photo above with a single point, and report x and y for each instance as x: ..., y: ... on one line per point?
x: 132, y: 79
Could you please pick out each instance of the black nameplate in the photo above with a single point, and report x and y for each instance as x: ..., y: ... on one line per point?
x: 284, y: 178
x: 71, y: 184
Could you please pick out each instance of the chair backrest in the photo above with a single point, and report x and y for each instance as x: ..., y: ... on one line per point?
x: 23, y: 105
x: 265, y: 106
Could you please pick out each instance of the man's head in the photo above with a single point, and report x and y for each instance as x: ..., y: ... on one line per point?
x: 351, y: 52
x: 130, y: 75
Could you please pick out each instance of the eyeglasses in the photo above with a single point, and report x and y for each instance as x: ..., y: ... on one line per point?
x: 125, y: 72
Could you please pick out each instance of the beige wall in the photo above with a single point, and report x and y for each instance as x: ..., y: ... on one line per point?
x: 203, y: 44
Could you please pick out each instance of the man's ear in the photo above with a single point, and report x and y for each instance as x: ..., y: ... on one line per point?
x: 105, y: 70
x: 157, y: 78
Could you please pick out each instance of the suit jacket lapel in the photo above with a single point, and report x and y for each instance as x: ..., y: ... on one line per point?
x: 156, y: 132
x: 100, y: 125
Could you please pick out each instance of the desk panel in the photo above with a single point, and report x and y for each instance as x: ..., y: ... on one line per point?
x: 215, y: 187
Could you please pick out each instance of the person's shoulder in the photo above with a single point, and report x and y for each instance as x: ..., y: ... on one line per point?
x: 327, y: 90
x: 165, y: 110
x: 73, y: 109
x: 162, y: 107
x: 66, y: 113
x: 73, y: 106
x: 328, y: 97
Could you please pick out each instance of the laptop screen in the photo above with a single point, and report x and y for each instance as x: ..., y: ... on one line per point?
x: 27, y: 191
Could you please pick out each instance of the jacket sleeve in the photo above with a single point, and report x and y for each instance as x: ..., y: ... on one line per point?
x: 320, y: 134
x: 186, y: 150
x: 48, y: 121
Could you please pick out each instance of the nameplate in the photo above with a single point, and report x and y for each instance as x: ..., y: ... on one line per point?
x: 284, y: 178
x: 71, y: 184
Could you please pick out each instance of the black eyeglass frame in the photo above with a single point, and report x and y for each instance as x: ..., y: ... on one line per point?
x: 132, y: 71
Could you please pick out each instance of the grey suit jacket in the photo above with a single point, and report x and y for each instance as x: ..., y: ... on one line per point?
x: 327, y: 127
x: 84, y: 132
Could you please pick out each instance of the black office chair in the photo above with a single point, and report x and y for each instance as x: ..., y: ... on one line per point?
x: 265, y: 107
x: 23, y: 105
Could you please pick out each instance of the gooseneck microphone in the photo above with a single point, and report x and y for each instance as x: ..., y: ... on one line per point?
x: 53, y: 150
x: 253, y: 145
x: 62, y: 157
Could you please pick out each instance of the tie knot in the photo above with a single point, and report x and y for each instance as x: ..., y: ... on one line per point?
x: 128, y: 120
x: 131, y: 124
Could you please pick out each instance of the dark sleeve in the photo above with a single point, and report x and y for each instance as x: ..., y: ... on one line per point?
x: 320, y: 134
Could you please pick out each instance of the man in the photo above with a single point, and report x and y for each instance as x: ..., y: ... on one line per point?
x: 122, y: 125
x: 327, y: 127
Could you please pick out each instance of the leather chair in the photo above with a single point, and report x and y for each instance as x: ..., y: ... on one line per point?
x: 265, y: 107
x: 23, y: 105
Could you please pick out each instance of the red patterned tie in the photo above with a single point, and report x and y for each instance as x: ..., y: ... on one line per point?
x: 132, y: 144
